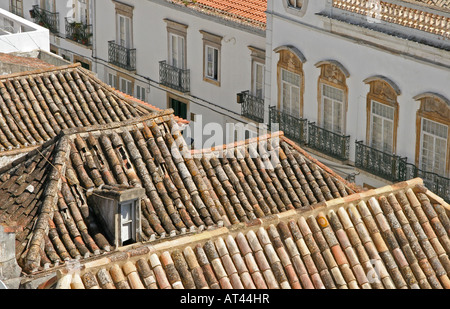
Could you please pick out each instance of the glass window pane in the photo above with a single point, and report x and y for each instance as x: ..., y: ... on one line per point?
x: 382, y: 129
x: 434, y: 147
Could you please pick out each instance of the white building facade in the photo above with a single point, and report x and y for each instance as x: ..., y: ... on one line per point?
x: 369, y: 86
x: 20, y: 35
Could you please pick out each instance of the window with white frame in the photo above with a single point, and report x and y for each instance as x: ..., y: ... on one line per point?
x: 212, y: 62
x: 177, y: 51
x: 124, y: 31
x: 433, y: 148
x: 126, y: 86
x: 332, y: 108
x: 140, y: 93
x: 382, y: 127
x: 127, y: 223
x: 258, y: 79
x: 48, y: 5
x: 258, y: 57
x: 176, y: 37
x: 82, y: 11
x: 16, y: 7
x: 211, y: 67
x: 290, y: 96
x: 112, y: 80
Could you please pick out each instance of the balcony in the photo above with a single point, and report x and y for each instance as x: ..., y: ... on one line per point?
x: 294, y: 128
x: 252, y: 107
x: 173, y: 77
x: 385, y: 165
x: 79, y: 32
x: 45, y: 18
x: 330, y: 143
x: 121, y: 56
x: 437, y: 184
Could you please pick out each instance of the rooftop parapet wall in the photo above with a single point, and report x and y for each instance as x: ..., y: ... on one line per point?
x: 402, y: 13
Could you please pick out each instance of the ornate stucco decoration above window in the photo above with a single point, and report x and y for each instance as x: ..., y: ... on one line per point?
x: 333, y: 71
x: 384, y: 88
x: 296, y: 7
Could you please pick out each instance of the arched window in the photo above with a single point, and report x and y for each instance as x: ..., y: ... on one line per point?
x: 290, y: 81
x: 332, y: 96
x: 382, y: 114
x: 432, y: 135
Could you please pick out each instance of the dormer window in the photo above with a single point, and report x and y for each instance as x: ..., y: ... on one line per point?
x: 119, y: 211
x: 296, y: 7
x: 295, y: 3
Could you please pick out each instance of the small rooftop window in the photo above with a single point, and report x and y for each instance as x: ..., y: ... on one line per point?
x: 296, y: 7
x: 118, y: 209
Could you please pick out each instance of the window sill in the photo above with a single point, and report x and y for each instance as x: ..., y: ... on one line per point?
x: 212, y: 81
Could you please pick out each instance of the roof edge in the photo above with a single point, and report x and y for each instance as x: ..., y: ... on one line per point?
x: 40, y: 71
x: 352, y: 186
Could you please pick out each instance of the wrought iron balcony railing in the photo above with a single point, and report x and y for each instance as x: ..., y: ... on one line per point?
x: 45, y: 18
x: 294, y: 128
x: 379, y: 163
x: 252, y: 107
x: 121, y: 56
x: 79, y: 32
x: 173, y: 77
x: 438, y: 184
x: 328, y: 142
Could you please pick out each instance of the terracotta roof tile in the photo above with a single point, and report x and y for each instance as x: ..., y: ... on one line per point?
x: 280, y: 255
x: 248, y: 12
x: 27, y: 62
x: 37, y: 105
x: 47, y: 192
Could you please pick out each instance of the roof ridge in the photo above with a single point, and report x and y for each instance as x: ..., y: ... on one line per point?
x: 39, y: 71
x: 121, y: 124
x: 50, y: 198
x: 115, y: 92
x: 223, y: 147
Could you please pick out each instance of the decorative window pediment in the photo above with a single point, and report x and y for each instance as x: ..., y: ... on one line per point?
x: 383, y: 88
x: 432, y: 133
x: 434, y: 104
x: 333, y: 72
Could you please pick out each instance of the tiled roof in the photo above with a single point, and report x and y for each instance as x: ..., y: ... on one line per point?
x: 35, y: 106
x: 45, y: 192
x: 391, y: 237
x: 249, y: 12
x: 154, y: 108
